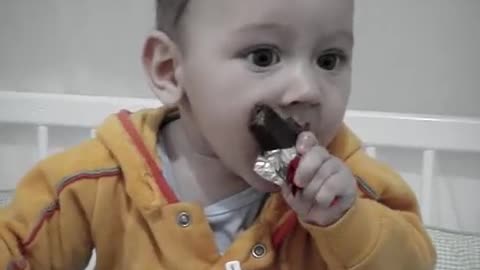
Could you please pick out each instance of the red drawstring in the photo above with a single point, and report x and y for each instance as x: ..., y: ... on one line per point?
x: 280, y: 234
x: 284, y: 230
x: 124, y: 117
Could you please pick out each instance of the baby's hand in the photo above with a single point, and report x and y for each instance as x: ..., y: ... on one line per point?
x: 328, y: 188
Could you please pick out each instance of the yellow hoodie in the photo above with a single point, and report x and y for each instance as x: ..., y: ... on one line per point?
x: 108, y: 193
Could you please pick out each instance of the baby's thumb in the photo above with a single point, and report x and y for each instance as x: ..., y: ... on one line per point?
x: 306, y: 141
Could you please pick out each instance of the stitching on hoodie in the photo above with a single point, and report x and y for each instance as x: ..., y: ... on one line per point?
x: 53, y: 207
x: 367, y: 189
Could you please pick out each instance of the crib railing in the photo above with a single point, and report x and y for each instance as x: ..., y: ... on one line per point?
x: 48, y: 110
x: 429, y: 134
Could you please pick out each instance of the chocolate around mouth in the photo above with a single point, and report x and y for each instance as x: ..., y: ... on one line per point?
x: 272, y: 131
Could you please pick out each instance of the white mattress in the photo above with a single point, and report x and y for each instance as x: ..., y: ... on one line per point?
x: 4, y: 198
x: 456, y: 250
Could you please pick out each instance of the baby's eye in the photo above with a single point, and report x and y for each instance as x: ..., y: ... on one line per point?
x: 329, y: 61
x: 263, y: 57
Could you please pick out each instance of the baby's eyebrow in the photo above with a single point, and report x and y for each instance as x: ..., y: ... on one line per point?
x: 339, y: 34
x: 285, y: 30
x: 281, y: 29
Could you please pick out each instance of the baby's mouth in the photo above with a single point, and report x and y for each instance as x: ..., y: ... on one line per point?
x: 276, y: 137
x: 275, y: 129
x: 272, y: 129
x: 295, y: 118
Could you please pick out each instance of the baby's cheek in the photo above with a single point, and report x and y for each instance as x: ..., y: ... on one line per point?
x: 237, y: 147
x: 331, y: 126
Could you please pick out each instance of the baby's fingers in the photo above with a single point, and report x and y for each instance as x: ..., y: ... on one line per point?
x: 309, y: 166
x: 305, y: 142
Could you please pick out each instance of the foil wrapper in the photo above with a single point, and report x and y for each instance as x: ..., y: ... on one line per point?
x: 273, y: 165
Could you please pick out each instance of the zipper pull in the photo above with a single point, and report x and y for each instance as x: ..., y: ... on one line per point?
x: 233, y: 265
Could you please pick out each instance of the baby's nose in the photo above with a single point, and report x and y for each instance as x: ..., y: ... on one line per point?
x: 303, y: 87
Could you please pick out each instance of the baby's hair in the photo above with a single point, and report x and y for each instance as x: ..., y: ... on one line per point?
x: 168, y: 16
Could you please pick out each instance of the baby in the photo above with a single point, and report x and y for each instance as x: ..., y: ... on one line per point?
x: 175, y: 188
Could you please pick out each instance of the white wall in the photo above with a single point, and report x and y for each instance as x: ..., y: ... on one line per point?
x: 84, y: 47
x: 418, y: 56
x: 411, y: 56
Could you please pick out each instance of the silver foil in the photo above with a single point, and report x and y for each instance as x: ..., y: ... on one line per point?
x: 273, y: 165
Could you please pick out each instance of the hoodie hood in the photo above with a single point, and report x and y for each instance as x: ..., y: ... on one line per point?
x: 131, y: 139
x: 140, y: 164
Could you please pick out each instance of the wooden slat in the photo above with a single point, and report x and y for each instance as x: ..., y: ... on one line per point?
x: 428, y: 169
x: 416, y: 131
x: 64, y: 110
x: 371, y: 151
x: 42, y: 141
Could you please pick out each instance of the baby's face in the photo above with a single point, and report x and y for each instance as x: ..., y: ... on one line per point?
x: 292, y: 55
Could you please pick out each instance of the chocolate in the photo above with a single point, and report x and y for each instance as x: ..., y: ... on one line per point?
x: 276, y: 137
x: 271, y: 131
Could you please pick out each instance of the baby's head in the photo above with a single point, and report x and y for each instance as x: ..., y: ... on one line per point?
x: 216, y: 59
x: 168, y: 16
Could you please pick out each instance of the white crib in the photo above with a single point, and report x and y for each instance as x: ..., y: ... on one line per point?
x: 439, y: 156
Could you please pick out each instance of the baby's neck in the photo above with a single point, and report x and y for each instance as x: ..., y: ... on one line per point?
x: 199, y: 178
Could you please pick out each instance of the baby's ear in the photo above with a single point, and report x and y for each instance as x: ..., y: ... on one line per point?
x: 161, y: 63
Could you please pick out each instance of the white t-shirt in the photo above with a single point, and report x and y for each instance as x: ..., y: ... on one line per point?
x: 227, y: 217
